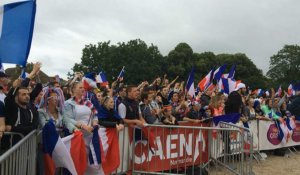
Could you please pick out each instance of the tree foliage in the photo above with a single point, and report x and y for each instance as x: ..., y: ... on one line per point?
x: 285, y: 66
x: 143, y: 62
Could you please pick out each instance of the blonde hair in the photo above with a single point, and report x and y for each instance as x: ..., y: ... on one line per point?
x: 215, y: 101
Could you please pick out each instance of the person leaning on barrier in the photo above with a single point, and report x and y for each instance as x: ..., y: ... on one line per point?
x: 108, y: 116
x: 148, y: 112
x: 194, y: 115
x: 129, y: 108
x: 80, y: 111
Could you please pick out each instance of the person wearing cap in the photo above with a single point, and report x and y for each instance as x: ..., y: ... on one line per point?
x: 194, y: 115
x: 234, y: 103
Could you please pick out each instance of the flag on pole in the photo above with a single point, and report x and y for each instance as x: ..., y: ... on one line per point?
x: 232, y: 72
x: 291, y: 91
x: 16, y: 29
x: 279, y: 92
x: 190, y: 88
x: 206, y: 80
x: 258, y: 92
x: 121, y: 74
x: 101, y: 78
x: 89, y: 81
x: 228, y: 85
x: 219, y: 72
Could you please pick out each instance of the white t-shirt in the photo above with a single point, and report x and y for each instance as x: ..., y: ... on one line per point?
x: 2, y: 96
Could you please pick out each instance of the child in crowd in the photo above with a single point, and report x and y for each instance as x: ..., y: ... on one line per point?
x: 168, y: 118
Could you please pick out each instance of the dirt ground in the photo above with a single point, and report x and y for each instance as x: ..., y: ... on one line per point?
x: 272, y: 165
x: 276, y: 165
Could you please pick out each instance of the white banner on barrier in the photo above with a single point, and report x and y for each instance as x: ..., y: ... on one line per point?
x: 268, y: 135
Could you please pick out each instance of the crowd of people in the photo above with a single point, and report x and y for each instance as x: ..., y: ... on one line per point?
x: 81, y: 104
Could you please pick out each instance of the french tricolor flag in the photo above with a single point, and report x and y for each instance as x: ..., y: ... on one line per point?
x: 291, y: 91
x: 232, y: 72
x: 68, y: 152
x: 121, y: 74
x: 89, y: 81
x: 228, y: 85
x: 16, y: 29
x: 279, y: 92
x: 101, y: 78
x: 206, y: 80
x: 190, y: 88
x: 219, y: 72
x: 258, y: 92
x: 104, y: 150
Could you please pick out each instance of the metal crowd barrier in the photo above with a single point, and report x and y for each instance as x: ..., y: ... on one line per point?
x: 160, y: 149
x: 233, y: 148
x: 21, y: 157
x: 192, y: 150
x: 11, y: 136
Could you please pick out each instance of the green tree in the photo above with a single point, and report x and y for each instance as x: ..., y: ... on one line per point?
x: 142, y: 62
x: 179, y: 61
x: 285, y: 66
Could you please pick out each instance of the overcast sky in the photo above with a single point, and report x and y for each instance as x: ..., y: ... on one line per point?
x: 258, y: 28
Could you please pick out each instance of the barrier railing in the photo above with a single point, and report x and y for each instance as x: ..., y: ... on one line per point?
x: 161, y: 149
x: 21, y: 158
x: 11, y: 136
x: 191, y: 149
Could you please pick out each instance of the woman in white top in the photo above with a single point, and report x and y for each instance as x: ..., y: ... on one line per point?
x: 82, y: 115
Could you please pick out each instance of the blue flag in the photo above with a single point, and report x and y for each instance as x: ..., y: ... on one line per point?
x: 229, y: 118
x: 232, y: 72
x: 190, y: 88
x: 16, y: 28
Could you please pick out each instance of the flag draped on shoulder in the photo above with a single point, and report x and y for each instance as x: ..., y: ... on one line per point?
x: 76, y: 146
x: 190, y: 88
x: 104, y: 150
x: 109, y: 144
x: 55, y: 151
x: 16, y: 29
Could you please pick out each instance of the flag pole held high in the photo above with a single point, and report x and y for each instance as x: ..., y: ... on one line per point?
x: 16, y: 29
